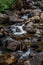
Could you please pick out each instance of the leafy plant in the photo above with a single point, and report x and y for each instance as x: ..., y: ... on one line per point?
x: 6, y: 4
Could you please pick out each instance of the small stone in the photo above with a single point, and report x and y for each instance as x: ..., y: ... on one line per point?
x: 36, y: 12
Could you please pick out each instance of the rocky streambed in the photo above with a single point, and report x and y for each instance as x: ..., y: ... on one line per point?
x: 21, y: 35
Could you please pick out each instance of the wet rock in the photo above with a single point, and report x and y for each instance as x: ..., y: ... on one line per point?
x: 40, y: 4
x: 41, y: 32
x: 29, y: 24
x: 8, y: 12
x: 15, y: 19
x: 40, y: 26
x: 4, y: 31
x: 12, y: 45
x: 27, y: 43
x: 41, y: 15
x: 36, y: 12
x: 40, y: 39
x: 17, y: 54
x: 22, y: 11
x: 35, y: 18
x: 29, y: 28
x: 37, y: 31
x: 34, y: 46
x: 27, y: 14
x: 24, y: 56
x: 37, y: 58
x: 40, y: 45
x: 33, y: 40
x: 5, y: 42
x: 3, y: 18
x: 37, y: 35
x: 16, y: 45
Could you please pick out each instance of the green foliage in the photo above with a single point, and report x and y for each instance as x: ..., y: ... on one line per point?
x: 5, y: 4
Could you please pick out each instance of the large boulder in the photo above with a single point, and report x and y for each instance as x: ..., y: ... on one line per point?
x: 35, y: 60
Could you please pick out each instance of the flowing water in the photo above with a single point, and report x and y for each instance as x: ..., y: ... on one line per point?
x: 18, y: 30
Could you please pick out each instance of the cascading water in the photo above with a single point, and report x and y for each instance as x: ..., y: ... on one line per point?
x: 18, y: 30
